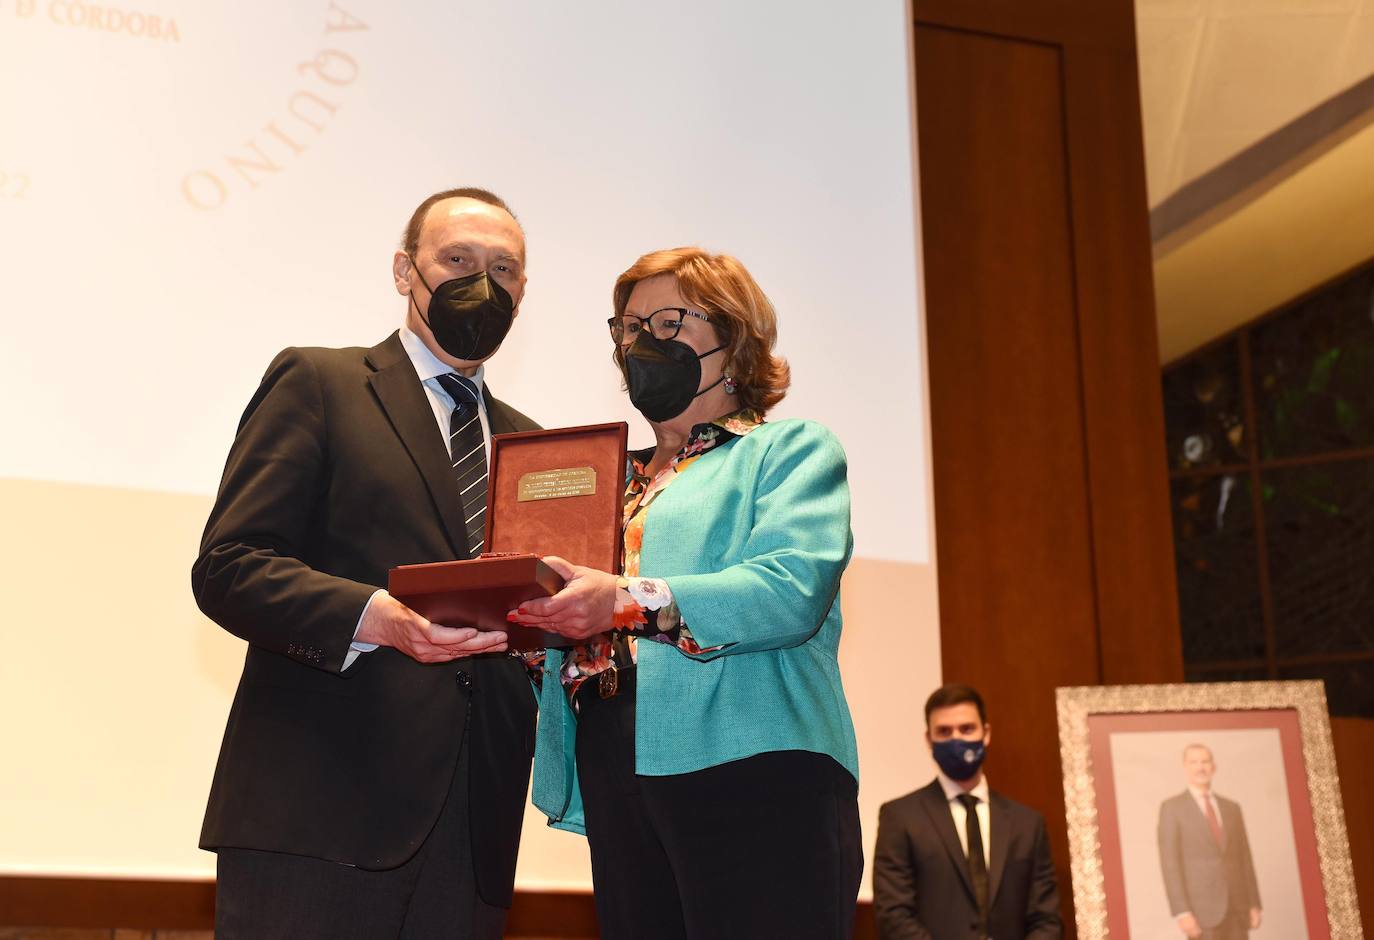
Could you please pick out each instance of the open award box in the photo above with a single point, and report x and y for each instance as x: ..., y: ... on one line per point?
x: 556, y: 492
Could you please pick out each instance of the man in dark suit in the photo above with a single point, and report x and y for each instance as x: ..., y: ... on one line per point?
x: 933, y: 876
x: 372, y: 778
x: 1205, y: 857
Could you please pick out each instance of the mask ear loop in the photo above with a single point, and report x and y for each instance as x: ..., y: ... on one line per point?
x: 711, y: 352
x: 711, y: 386
x: 414, y: 266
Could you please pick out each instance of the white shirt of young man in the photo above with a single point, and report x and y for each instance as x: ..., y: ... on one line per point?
x: 956, y: 809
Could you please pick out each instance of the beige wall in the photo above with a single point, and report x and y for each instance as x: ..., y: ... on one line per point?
x: 113, y: 686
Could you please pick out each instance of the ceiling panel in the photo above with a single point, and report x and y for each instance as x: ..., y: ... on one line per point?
x: 1218, y: 75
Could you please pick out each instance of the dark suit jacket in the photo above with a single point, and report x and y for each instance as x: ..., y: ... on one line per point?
x: 921, y: 885
x: 338, y: 472
x: 1199, y: 876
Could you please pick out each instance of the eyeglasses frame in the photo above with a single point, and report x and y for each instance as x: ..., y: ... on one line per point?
x: 613, y: 321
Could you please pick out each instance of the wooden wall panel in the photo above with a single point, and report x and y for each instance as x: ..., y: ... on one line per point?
x: 106, y: 903
x: 1053, y: 536
x: 1354, y: 742
x: 1013, y: 523
x: 1128, y: 483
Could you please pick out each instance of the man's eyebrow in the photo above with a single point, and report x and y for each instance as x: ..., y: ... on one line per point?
x: 469, y: 246
x: 454, y: 246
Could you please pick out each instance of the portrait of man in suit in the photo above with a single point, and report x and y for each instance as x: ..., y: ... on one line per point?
x: 371, y: 782
x: 956, y: 860
x: 1204, y: 856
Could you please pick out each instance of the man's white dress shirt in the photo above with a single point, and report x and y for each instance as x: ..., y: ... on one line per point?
x: 956, y: 809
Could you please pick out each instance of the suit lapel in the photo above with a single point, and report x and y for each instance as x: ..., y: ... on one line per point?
x: 999, y: 821
x: 497, y: 418
x: 402, y: 397
x: 937, y: 810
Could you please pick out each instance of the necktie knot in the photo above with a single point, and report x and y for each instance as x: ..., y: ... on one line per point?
x: 969, y: 800
x: 460, y: 388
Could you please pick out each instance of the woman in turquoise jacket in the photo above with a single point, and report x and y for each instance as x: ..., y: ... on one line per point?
x: 698, y: 733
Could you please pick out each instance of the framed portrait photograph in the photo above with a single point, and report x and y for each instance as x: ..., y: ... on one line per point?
x: 1208, y: 810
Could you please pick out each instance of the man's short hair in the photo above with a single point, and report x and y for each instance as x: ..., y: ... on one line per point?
x: 410, y: 239
x: 1199, y: 747
x: 955, y: 693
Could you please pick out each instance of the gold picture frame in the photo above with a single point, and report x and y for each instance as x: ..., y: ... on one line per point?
x: 1111, y: 736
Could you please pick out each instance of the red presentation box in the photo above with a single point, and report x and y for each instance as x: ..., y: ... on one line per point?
x: 556, y: 492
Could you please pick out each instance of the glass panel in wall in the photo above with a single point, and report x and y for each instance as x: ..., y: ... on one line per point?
x: 1319, y: 522
x: 1193, y: 674
x: 1314, y: 373
x: 1349, y: 685
x: 1204, y: 411
x: 1218, y: 571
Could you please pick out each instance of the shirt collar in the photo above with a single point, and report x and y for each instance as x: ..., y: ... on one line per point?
x: 1198, y: 794
x: 953, y: 790
x: 427, y: 365
x: 738, y: 423
x: 735, y: 424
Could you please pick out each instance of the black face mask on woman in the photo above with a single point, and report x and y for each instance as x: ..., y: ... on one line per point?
x: 469, y: 316
x: 663, y: 375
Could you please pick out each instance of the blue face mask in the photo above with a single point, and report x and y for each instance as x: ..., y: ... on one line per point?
x: 959, y: 759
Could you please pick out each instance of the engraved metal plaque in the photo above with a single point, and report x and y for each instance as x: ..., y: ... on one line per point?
x: 556, y: 484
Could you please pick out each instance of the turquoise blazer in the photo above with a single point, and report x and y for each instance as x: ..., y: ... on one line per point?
x: 752, y: 539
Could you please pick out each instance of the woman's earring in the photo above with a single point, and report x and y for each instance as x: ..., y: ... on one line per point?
x: 731, y: 386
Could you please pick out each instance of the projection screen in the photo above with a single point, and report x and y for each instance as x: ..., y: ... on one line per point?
x: 187, y: 187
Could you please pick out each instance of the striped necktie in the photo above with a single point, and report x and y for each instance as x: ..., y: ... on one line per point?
x: 468, y: 454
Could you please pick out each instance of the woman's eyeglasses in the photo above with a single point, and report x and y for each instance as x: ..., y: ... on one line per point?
x: 663, y: 324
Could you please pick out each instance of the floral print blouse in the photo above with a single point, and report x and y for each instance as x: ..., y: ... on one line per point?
x: 651, y: 613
